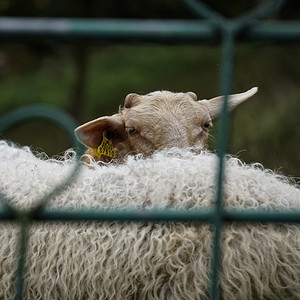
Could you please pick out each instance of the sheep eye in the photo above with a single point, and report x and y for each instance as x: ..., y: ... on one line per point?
x: 206, y: 125
x: 131, y: 130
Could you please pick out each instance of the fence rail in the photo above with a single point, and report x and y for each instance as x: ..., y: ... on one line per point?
x: 176, y: 31
x: 203, y: 215
x: 214, y: 28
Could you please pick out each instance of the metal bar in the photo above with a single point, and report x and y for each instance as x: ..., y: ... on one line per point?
x: 89, y: 30
x: 22, y: 251
x: 262, y: 216
x: 200, y: 9
x: 273, y: 32
x: 105, y: 29
x: 226, y: 76
x: 204, y: 215
x: 31, y: 112
x: 262, y: 11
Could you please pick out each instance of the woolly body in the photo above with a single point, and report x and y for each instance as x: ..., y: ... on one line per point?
x: 113, y: 260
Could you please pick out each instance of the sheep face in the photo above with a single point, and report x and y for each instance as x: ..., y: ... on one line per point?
x: 154, y: 121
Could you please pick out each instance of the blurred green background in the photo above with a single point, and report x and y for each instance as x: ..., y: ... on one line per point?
x: 90, y: 81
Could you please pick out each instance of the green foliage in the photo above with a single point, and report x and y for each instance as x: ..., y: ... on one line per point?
x: 141, y: 69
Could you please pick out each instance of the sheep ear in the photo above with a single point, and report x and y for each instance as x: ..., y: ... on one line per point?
x: 214, y: 105
x: 192, y: 95
x: 130, y: 100
x: 90, y: 134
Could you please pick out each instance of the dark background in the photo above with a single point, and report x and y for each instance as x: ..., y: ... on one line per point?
x: 90, y: 81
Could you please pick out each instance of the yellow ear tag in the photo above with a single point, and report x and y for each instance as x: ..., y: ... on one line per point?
x: 106, y: 148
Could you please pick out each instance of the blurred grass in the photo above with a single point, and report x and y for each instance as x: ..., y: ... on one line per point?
x: 265, y: 129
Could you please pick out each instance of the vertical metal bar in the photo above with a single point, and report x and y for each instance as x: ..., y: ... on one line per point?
x: 22, y: 250
x: 225, y: 88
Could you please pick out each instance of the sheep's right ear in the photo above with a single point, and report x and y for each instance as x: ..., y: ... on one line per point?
x: 91, y: 134
x: 214, y: 105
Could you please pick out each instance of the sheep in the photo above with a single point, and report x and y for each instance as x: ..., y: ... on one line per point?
x: 167, y: 260
x: 154, y: 121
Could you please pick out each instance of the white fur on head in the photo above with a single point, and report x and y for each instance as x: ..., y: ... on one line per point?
x: 156, y: 121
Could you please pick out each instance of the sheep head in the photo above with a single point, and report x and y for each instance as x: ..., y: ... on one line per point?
x: 154, y: 121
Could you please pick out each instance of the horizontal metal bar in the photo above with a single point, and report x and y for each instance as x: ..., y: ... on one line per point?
x: 105, y: 29
x: 262, y: 216
x: 274, y: 31
x: 114, y: 215
x: 205, y: 215
x: 137, y: 30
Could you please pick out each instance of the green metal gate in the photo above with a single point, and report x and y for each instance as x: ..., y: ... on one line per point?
x: 212, y: 27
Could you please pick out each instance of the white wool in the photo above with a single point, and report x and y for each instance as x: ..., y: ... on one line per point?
x: 144, y: 260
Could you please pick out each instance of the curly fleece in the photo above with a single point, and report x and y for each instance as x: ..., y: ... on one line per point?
x: 110, y: 260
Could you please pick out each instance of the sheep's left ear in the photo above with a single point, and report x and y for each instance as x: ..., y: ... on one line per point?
x: 91, y: 133
x: 214, y: 105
